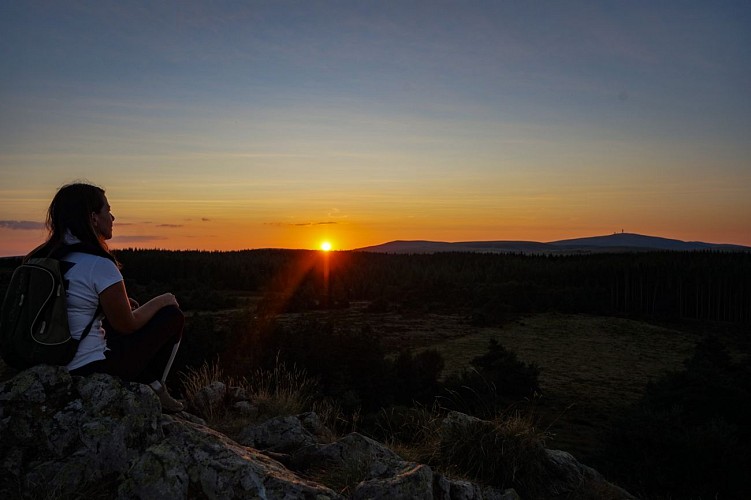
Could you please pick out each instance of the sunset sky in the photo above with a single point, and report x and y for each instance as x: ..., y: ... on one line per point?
x: 252, y: 124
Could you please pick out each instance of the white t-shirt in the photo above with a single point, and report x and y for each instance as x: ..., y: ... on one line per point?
x: 87, y: 277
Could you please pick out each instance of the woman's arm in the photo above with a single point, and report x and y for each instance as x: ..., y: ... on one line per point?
x: 117, y: 309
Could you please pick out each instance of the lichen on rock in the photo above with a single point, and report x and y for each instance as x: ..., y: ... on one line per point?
x: 64, y: 436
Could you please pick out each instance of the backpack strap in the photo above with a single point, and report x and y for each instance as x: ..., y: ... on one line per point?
x: 91, y: 323
x: 62, y: 251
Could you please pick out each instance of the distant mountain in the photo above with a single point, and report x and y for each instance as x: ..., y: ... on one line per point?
x: 617, y: 242
x: 420, y: 246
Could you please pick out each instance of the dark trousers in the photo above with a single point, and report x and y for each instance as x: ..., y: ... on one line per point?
x: 142, y: 355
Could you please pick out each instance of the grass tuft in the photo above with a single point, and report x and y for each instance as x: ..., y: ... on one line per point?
x: 508, y: 451
x: 282, y: 390
x: 413, y: 433
x: 196, y: 381
x: 344, y: 477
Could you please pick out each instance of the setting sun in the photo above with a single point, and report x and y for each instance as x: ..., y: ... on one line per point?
x: 326, y: 246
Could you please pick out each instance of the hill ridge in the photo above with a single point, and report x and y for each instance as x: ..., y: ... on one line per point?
x: 616, y: 242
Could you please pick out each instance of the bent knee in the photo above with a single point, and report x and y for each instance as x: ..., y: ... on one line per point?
x: 172, y: 315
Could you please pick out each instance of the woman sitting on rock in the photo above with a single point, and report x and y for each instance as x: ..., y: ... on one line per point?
x: 141, y: 342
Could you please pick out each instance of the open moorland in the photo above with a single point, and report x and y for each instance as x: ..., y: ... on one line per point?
x: 590, y: 366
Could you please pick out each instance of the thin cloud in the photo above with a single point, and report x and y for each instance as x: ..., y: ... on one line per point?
x: 299, y: 224
x: 137, y: 238
x: 169, y: 225
x: 21, y: 225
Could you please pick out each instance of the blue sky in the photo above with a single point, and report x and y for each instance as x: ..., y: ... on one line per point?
x: 254, y: 124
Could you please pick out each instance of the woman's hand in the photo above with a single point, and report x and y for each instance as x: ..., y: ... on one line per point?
x: 168, y: 299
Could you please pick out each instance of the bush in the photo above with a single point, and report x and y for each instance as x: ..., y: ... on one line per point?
x: 507, y: 451
x: 688, y: 437
x: 496, y: 379
x: 416, y: 376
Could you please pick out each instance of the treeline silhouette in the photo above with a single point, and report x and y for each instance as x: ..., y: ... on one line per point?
x: 710, y: 285
x: 713, y: 286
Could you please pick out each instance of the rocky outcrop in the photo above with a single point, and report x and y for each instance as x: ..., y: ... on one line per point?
x: 66, y: 436
x: 379, y: 473
x: 284, y: 434
x: 557, y: 474
x: 97, y: 436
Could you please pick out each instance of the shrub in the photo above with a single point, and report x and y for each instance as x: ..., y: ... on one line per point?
x: 496, y: 379
x: 508, y: 451
x: 688, y: 436
x: 416, y: 375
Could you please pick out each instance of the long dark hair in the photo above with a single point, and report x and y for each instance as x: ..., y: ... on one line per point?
x: 70, y: 212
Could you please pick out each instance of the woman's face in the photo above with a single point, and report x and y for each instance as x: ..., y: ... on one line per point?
x: 103, y: 220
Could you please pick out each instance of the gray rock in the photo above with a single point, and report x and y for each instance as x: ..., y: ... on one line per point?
x: 210, y: 397
x: 374, y: 459
x: 245, y: 408
x: 280, y: 435
x: 567, y: 476
x: 312, y: 423
x: 66, y: 436
x: 464, y: 490
x: 239, y: 394
x: 489, y: 493
x: 191, y: 418
x: 385, y: 475
x: 457, y: 489
x: 58, y: 431
x: 194, y: 458
x: 414, y: 483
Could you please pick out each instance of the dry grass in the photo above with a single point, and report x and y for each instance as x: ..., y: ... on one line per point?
x: 343, y: 477
x: 195, y: 381
x: 334, y: 419
x: 413, y: 433
x: 508, y: 451
x: 281, y: 391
